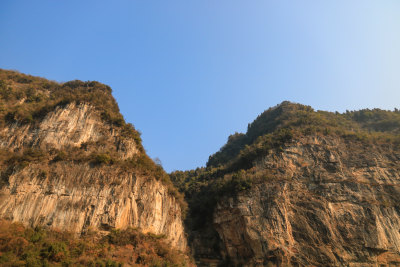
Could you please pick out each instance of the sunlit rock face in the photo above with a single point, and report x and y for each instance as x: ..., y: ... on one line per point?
x: 72, y: 125
x: 77, y: 195
x: 334, y: 203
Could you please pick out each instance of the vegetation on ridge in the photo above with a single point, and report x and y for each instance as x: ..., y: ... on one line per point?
x: 27, y: 99
x: 288, y: 119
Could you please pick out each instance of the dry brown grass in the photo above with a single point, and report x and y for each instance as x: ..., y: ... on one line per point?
x: 22, y: 246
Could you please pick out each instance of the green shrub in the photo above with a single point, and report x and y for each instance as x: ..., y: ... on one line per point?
x: 102, y: 159
x: 56, y: 251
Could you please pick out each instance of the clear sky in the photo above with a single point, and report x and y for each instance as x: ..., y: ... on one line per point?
x: 188, y: 74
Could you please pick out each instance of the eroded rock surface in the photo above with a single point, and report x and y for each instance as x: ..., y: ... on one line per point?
x: 328, y: 203
x: 72, y: 125
x: 78, y: 195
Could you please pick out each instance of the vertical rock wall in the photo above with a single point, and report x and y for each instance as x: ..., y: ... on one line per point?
x: 333, y: 204
x: 77, y: 196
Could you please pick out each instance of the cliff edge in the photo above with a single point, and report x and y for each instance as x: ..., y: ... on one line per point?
x: 70, y: 162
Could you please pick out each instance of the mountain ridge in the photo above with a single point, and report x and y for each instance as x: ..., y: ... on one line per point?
x: 70, y: 162
x: 300, y: 187
x: 292, y: 146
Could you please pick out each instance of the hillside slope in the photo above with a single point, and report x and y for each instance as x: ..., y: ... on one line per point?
x: 300, y: 188
x: 70, y: 162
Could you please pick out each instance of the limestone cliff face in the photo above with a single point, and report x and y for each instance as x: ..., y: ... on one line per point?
x: 78, y: 195
x: 328, y: 203
x: 71, y: 125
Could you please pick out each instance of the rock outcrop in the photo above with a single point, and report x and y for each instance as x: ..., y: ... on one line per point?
x: 79, y: 197
x: 70, y: 165
x: 70, y: 125
x: 300, y: 188
x: 330, y: 203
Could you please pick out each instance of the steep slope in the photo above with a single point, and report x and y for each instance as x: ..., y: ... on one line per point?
x: 300, y: 188
x: 326, y: 202
x: 69, y: 161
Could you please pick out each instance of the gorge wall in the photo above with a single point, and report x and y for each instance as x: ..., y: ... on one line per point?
x: 299, y: 188
x: 79, y: 197
x: 330, y: 203
x: 72, y: 170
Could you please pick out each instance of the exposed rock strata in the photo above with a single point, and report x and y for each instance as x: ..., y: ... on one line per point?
x: 329, y: 203
x: 71, y: 125
x: 77, y: 196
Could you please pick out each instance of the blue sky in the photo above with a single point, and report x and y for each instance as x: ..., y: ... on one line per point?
x: 188, y: 74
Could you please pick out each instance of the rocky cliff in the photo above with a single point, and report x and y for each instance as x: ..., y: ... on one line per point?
x: 78, y: 197
x: 70, y: 125
x: 329, y: 203
x: 68, y: 163
x: 300, y: 188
